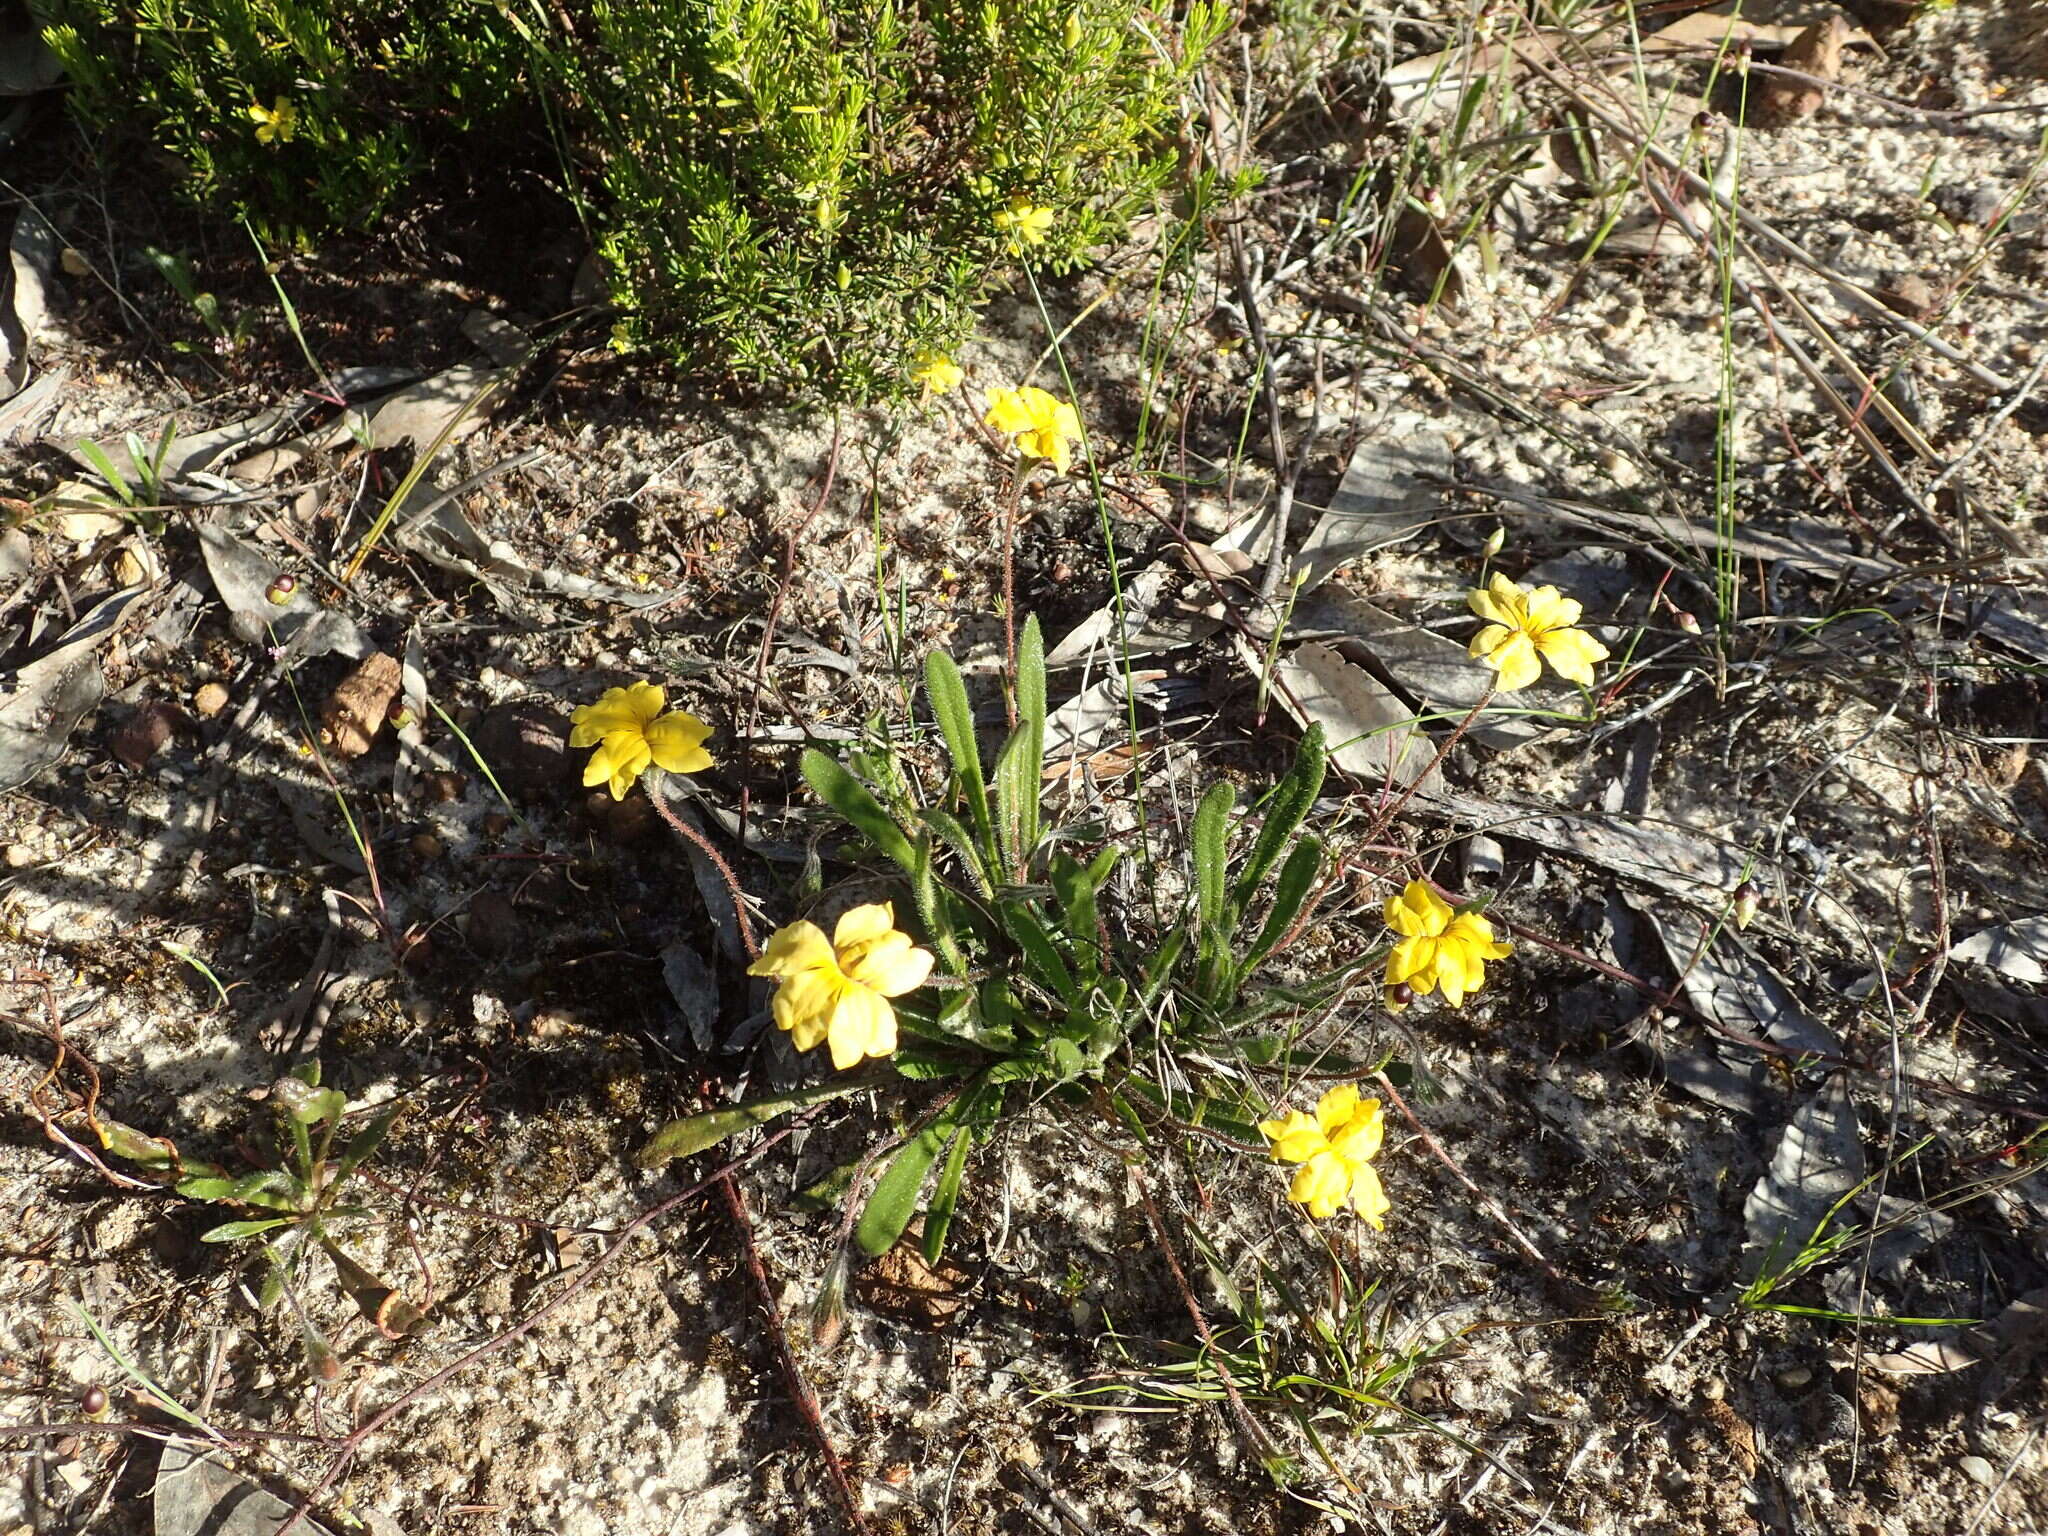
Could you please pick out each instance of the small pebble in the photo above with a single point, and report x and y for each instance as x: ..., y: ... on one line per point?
x: 210, y: 700
x: 1794, y: 1377
x: 495, y: 926
x: 1978, y: 1470
x: 443, y: 786
x: 20, y: 855
x: 426, y: 847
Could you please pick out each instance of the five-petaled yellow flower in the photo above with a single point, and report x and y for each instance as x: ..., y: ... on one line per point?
x: 838, y: 990
x: 631, y: 734
x: 1041, y: 426
x: 1439, y: 946
x: 937, y: 372
x: 1025, y: 222
x: 274, y: 124
x: 1522, y: 625
x: 1335, y: 1147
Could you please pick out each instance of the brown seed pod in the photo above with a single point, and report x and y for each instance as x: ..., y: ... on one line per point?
x: 359, y: 705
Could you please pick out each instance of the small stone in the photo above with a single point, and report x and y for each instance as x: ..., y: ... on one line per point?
x: 426, y: 847
x: 20, y: 855
x: 1978, y: 1470
x: 495, y: 926
x: 1793, y: 1377
x: 84, y: 527
x: 494, y: 824
x: 210, y: 700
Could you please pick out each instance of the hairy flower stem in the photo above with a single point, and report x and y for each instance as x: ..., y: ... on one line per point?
x: 732, y: 884
x: 1010, y: 500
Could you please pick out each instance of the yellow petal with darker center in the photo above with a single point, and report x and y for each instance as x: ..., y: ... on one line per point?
x: 1335, y: 1109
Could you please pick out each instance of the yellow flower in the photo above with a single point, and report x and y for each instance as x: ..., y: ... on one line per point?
x: 1025, y: 222
x: 1522, y: 625
x: 1042, y: 427
x: 1335, y: 1147
x: 839, y: 991
x: 937, y: 372
x: 631, y: 734
x: 1439, y: 947
x: 274, y: 124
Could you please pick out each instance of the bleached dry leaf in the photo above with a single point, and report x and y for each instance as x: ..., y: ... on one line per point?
x: 56, y: 691
x: 2016, y: 950
x: 1391, y: 491
x: 247, y: 580
x: 1373, y: 735
x: 1672, y: 859
x: 464, y: 395
x: 1816, y: 52
x: 1929, y: 1357
x: 1819, y: 1160
x: 1734, y: 987
x: 1099, y: 719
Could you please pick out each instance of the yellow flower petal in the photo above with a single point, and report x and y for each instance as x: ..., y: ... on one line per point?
x: 1321, y: 1184
x: 1571, y: 654
x: 1368, y: 1196
x: 1336, y: 1107
x: 1296, y: 1137
x: 862, y: 1024
x: 1358, y: 1140
x: 797, y: 947
x: 863, y: 925
x: 890, y: 965
x: 1515, y: 660
x: 1418, y: 911
x: 806, y: 1003
x: 676, y: 743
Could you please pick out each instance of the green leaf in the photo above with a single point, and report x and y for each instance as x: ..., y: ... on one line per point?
x: 894, y: 1200
x: 694, y: 1133
x: 1298, y: 877
x: 1292, y: 799
x: 1041, y: 957
x: 1076, y: 884
x: 369, y: 1138
x: 1066, y: 1058
x: 938, y: 1216
x: 125, y: 1141
x: 103, y: 466
x: 857, y: 804
x: 1211, y: 832
x: 206, y: 1187
x: 962, y: 842
x: 235, y: 1231
x: 1018, y: 786
x: 1159, y: 969
x: 948, y: 695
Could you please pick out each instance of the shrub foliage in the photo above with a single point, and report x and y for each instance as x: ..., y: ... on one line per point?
x: 803, y: 192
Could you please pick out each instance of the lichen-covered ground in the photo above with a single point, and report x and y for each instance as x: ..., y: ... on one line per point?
x: 1837, y: 697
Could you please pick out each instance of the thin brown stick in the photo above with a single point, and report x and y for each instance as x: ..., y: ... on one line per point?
x: 792, y: 1372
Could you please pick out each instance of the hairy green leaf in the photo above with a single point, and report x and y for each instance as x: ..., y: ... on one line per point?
x: 1292, y: 799
x: 1210, y: 849
x: 1298, y: 876
x: 948, y: 695
x: 853, y: 800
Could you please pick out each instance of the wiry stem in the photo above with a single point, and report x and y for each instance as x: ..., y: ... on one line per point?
x: 732, y: 884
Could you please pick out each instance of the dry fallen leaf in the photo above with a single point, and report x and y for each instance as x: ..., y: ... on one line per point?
x: 1815, y: 53
x: 356, y: 710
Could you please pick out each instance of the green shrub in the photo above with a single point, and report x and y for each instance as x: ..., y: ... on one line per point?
x: 819, y: 191
x: 299, y: 116
x: 803, y: 192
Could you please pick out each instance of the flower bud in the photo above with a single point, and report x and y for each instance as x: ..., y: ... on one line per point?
x: 281, y: 590
x: 1399, y: 996
x: 1747, y: 900
x: 93, y: 1400
x: 1494, y: 540
x: 1073, y: 33
x: 1686, y: 621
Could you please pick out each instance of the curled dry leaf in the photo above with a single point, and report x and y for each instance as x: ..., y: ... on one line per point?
x: 1816, y: 54
x: 359, y: 705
